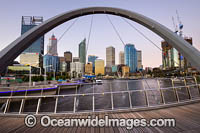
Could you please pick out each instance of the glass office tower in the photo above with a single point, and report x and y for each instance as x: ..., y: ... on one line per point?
x: 51, y: 63
x: 28, y: 22
x: 82, y: 51
x: 92, y: 58
x: 130, y: 57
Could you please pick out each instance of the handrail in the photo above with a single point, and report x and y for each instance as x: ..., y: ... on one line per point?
x: 92, y: 93
x: 159, y: 95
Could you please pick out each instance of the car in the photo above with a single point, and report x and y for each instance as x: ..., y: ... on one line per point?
x: 99, y: 82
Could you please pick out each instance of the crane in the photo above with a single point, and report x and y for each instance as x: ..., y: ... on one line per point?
x: 175, y: 26
x: 180, y: 24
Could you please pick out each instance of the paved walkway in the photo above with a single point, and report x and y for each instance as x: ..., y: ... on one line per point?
x: 187, y: 120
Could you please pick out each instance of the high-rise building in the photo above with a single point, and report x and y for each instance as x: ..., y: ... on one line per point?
x: 68, y: 56
x: 125, y: 71
x: 171, y: 58
x: 32, y: 59
x: 92, y: 58
x: 185, y: 63
x: 139, y: 60
x: 68, y: 59
x: 110, y: 56
x: 62, y: 64
x: 88, y: 68
x: 99, y: 67
x: 51, y: 63
x: 52, y: 46
x: 82, y: 51
x: 108, y: 71
x: 76, y: 59
x: 121, y: 57
x: 28, y: 22
x: 77, y: 69
x: 130, y: 56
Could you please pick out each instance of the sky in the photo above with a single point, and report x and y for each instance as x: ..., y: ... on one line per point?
x: 103, y: 34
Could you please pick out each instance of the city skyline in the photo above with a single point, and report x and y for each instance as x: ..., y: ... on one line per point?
x: 100, y: 38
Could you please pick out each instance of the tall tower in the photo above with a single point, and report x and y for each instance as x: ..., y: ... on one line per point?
x: 82, y: 51
x: 130, y: 55
x: 33, y: 54
x: 52, y: 46
x: 139, y: 60
x: 110, y: 56
x: 68, y: 59
x: 28, y: 22
x: 99, y: 67
x: 92, y: 58
x: 121, y: 57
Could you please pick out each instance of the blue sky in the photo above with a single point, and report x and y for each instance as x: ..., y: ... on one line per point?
x: 102, y: 34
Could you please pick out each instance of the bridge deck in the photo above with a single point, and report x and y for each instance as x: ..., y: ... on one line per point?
x: 187, y: 120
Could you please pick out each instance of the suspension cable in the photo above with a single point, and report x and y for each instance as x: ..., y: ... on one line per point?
x: 67, y: 29
x: 91, y: 24
x: 115, y: 29
x: 145, y: 36
x: 142, y: 34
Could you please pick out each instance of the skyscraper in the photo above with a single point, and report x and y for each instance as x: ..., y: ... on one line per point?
x: 130, y: 56
x: 68, y: 59
x: 139, y: 60
x: 52, y: 46
x: 171, y: 58
x: 62, y: 64
x: 99, y: 67
x: 77, y: 69
x: 28, y: 22
x: 110, y: 56
x: 88, y: 68
x: 121, y: 57
x: 68, y: 56
x: 51, y: 63
x: 82, y: 51
x: 76, y: 59
x: 92, y: 58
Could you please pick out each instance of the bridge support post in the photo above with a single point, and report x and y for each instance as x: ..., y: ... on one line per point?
x: 21, y: 106
x: 93, y: 102
x: 195, y: 79
x: 188, y: 89
x: 56, y: 103
x: 111, y: 94
x: 55, y: 109
x: 145, y: 93
x: 161, y: 92
x: 130, y: 102
x: 75, y: 100
x: 38, y: 105
x: 175, y: 91
x: 7, y: 104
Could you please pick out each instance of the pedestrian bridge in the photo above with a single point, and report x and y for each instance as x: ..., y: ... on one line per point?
x: 110, y: 96
x: 13, y: 50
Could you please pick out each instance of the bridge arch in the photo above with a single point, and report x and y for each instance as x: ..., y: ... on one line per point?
x: 8, y: 54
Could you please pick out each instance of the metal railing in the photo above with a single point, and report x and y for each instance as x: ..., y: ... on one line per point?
x: 109, y: 96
